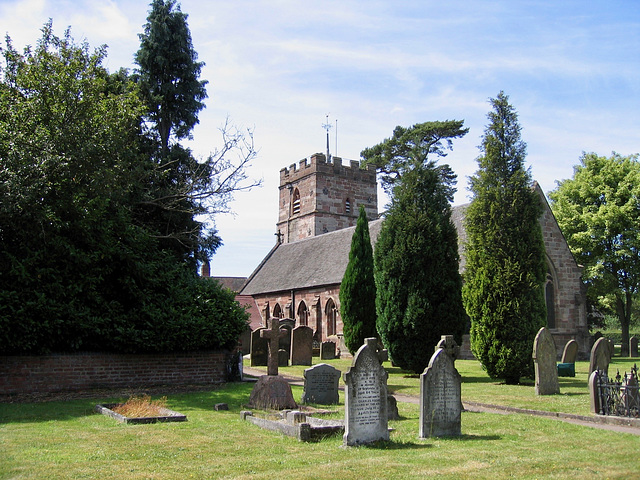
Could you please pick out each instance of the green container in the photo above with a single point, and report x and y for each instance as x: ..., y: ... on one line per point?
x: 566, y: 370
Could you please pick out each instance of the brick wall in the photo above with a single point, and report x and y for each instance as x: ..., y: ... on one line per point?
x: 83, y: 371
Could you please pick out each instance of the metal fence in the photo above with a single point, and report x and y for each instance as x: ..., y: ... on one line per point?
x: 618, y: 396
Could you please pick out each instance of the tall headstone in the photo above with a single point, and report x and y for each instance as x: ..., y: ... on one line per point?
x: 327, y: 350
x: 259, y: 349
x: 301, y: 345
x: 366, y: 416
x: 594, y: 393
x: 286, y: 327
x: 544, y: 359
x: 633, y: 346
x: 570, y: 352
x: 440, y: 397
x: 600, y: 356
x: 321, y: 384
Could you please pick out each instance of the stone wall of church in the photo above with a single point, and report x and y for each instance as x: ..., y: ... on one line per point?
x: 322, y: 309
x: 317, y: 197
x: 565, y: 275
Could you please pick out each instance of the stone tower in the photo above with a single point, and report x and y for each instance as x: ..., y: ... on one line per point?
x: 318, y: 197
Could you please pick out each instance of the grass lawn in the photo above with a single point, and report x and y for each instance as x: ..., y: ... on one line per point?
x: 65, y: 439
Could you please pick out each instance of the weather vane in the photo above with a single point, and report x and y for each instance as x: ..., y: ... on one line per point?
x: 327, y: 126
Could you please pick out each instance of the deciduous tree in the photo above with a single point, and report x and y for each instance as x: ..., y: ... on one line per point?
x: 598, y: 211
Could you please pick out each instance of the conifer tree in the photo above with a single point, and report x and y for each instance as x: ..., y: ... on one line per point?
x: 358, y: 289
x: 505, y: 267
x: 416, y: 268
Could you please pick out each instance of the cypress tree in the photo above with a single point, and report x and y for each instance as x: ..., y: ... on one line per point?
x: 358, y: 289
x: 416, y: 268
x: 505, y: 267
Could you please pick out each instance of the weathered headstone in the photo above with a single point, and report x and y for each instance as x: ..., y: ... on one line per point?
x: 570, y: 352
x: 440, y: 397
x: 392, y: 408
x: 271, y: 390
x: 366, y: 417
x: 633, y: 346
x: 600, y: 356
x: 286, y: 327
x: 449, y: 345
x: 327, y: 350
x: 301, y: 345
x: 544, y: 359
x: 259, y: 349
x: 321, y: 384
x: 594, y: 393
x: 283, y: 358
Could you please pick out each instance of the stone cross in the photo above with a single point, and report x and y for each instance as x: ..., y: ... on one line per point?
x: 273, y: 334
x: 449, y: 345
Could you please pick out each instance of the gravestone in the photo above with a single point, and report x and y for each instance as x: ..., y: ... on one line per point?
x: 283, y: 358
x: 272, y: 391
x: 594, y: 393
x: 544, y: 359
x: 259, y: 349
x: 633, y: 346
x: 570, y: 352
x: 301, y: 345
x: 440, y: 397
x: 366, y: 417
x: 286, y: 327
x: 600, y: 356
x: 449, y: 345
x: 321, y: 384
x: 327, y: 351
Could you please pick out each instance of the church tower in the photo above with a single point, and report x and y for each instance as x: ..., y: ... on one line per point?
x: 318, y: 197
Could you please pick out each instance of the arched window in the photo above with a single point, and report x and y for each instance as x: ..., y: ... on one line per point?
x: 303, y: 314
x: 277, y: 311
x: 347, y: 206
x: 550, y: 299
x: 295, y: 203
x: 330, y: 313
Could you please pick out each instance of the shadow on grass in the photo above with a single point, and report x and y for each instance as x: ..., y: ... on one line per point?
x: 391, y: 445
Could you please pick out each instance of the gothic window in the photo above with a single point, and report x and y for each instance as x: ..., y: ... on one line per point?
x: 303, y: 314
x: 295, y: 204
x: 330, y: 313
x: 550, y: 298
x: 277, y: 311
x: 347, y: 206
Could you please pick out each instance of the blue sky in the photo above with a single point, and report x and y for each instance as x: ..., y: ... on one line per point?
x: 570, y: 68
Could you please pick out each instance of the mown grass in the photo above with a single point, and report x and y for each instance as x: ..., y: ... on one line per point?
x: 67, y: 440
x: 478, y: 387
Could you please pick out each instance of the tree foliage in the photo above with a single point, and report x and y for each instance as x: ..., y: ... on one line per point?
x: 409, y: 148
x: 598, y: 211
x: 358, y: 289
x: 505, y: 261
x: 169, y: 72
x: 80, y: 268
x: 184, y: 189
x: 416, y: 268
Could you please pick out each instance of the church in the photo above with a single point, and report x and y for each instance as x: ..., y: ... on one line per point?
x: 319, y: 202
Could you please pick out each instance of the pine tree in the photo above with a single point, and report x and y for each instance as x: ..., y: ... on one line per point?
x: 358, y: 289
x: 416, y: 268
x: 505, y: 261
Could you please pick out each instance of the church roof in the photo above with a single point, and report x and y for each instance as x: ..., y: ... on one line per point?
x: 311, y: 262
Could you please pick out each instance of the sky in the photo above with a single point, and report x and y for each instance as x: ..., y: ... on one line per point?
x: 284, y: 68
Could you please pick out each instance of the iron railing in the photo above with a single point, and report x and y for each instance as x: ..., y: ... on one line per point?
x: 618, y: 396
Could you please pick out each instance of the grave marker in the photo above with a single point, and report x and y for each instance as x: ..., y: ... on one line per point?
x: 327, y: 350
x: 301, y: 345
x: 440, y: 397
x: 570, y: 352
x: 321, y: 384
x: 544, y: 358
x: 259, y: 349
x: 633, y: 346
x: 449, y: 345
x: 600, y: 356
x: 366, y: 417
